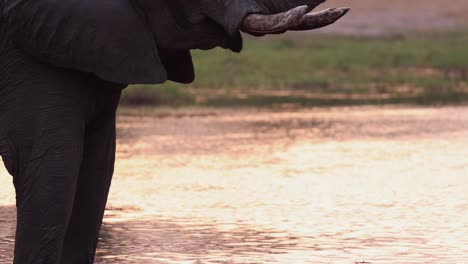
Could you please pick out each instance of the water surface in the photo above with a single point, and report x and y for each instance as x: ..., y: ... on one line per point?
x: 326, y: 185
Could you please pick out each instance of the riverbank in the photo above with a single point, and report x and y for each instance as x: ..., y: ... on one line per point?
x: 318, y: 70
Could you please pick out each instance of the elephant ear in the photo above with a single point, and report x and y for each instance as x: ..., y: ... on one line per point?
x: 106, y: 37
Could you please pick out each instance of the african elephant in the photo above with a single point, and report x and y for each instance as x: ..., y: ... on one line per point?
x: 63, y: 64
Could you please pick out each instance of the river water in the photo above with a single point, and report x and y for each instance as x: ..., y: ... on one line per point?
x: 325, y: 185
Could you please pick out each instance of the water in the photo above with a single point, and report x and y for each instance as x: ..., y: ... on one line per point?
x: 327, y: 185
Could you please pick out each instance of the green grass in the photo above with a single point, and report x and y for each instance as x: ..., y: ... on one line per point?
x: 423, y: 69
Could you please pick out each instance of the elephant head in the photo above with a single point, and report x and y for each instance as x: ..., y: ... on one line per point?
x: 149, y: 41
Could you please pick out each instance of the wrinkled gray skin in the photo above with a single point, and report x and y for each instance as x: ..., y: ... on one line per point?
x: 63, y: 64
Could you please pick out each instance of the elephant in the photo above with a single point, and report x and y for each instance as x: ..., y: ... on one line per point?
x: 63, y: 65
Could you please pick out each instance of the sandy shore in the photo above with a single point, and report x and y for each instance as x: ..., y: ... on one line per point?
x: 375, y: 18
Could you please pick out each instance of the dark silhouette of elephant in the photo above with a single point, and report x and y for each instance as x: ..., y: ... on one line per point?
x: 63, y: 64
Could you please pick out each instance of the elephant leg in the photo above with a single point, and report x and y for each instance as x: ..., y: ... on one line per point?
x: 48, y: 145
x: 93, y: 183
x: 45, y: 192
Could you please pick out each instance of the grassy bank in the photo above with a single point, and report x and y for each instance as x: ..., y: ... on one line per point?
x: 318, y: 70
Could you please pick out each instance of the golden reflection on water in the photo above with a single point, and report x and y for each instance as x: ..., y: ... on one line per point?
x: 327, y: 185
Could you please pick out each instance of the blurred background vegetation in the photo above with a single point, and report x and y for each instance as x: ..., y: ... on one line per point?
x: 384, y: 52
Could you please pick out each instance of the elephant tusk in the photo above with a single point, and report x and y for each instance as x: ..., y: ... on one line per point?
x: 268, y: 24
x: 321, y: 19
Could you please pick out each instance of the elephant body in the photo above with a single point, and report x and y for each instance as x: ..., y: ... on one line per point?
x: 57, y: 139
x: 63, y: 65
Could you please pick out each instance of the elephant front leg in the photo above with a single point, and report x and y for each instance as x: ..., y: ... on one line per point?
x: 93, y: 185
x: 44, y: 124
x: 45, y: 187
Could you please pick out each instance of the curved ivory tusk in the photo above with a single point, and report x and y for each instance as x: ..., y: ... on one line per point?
x: 266, y: 24
x: 321, y: 19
